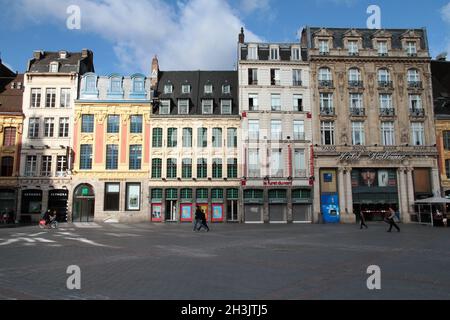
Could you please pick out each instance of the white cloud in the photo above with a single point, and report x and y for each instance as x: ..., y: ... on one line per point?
x: 250, y: 6
x: 192, y: 34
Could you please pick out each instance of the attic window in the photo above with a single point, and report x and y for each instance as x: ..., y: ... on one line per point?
x: 63, y: 54
x: 54, y: 66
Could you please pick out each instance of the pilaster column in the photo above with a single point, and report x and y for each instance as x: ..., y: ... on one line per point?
x: 349, y: 195
x: 410, y: 185
x: 435, y: 182
x: 341, y: 192
x: 289, y: 206
x: 402, y: 193
x: 316, y: 201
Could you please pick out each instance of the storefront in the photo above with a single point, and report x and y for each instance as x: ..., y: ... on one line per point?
x: 31, y: 206
x: 253, y: 206
x: 278, y: 205
x: 83, y: 204
x: 57, y: 200
x: 8, y: 202
x: 301, y: 206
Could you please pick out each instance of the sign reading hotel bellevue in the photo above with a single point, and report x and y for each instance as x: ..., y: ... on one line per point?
x: 374, y: 156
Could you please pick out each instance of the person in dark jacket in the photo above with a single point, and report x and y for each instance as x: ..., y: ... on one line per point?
x: 363, y: 220
x: 198, y: 219
x: 203, y: 221
x: 46, y: 217
x: 390, y: 219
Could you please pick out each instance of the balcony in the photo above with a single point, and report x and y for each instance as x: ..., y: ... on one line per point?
x: 299, y: 136
x: 417, y: 112
x: 386, y: 84
x: 357, y: 112
x: 355, y: 83
x: 300, y: 173
x: 254, y: 136
x: 387, y: 112
x: 276, y: 108
x: 253, y: 108
x: 252, y: 82
x: 414, y: 84
x: 297, y: 83
x: 254, y: 173
x: 324, y: 53
x: 327, y: 111
x: 325, y: 83
x: 275, y: 82
x: 276, y: 136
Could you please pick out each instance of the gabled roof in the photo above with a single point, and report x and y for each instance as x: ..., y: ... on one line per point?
x: 73, y: 62
x: 11, y: 94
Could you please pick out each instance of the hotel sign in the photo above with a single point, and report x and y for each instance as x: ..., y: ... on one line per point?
x: 277, y: 183
x: 374, y: 156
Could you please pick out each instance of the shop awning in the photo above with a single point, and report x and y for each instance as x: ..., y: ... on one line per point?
x: 434, y: 200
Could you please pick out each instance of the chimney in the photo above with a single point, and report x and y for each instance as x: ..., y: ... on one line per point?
x: 154, y: 72
x: 242, y: 36
x: 85, y: 53
x: 38, y: 54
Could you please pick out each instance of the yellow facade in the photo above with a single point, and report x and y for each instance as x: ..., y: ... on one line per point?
x: 16, y: 122
x: 442, y: 126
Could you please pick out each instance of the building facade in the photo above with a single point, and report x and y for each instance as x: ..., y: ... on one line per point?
x: 374, y: 140
x: 51, y: 85
x: 194, y: 146
x: 274, y: 95
x: 112, y: 149
x: 11, y: 128
x: 440, y: 71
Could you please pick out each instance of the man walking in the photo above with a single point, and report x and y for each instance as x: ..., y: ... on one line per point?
x: 362, y: 220
x: 391, y: 221
x: 198, y: 219
x: 203, y: 221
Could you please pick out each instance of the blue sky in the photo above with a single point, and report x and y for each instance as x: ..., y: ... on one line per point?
x: 192, y: 34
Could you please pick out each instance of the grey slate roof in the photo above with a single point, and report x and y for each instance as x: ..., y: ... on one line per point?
x: 197, y: 80
x: 73, y: 63
x: 367, y: 35
x: 440, y: 71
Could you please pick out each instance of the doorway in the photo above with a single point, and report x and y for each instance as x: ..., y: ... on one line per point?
x: 83, y: 204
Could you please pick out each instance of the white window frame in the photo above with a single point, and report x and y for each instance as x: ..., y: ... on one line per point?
x: 253, y: 129
x: 354, y: 74
x: 411, y: 47
x: 276, y: 131
x: 252, y: 52
x: 328, y: 126
x: 324, y: 46
x: 386, y: 101
x: 417, y: 134
x: 274, y: 97
x: 277, y: 163
x: 382, y: 47
x: 186, y: 88
x: 168, y: 89
x: 208, y: 88
x: 358, y: 133
x: 164, y: 105
x: 299, y: 163
x: 181, y: 104
x: 388, y: 133
x: 226, y: 103
x: 299, y: 130
x: 295, y: 54
x: 255, y: 98
x: 274, y: 53
x: 418, y: 99
x: 353, y: 47
x: 325, y: 74
x: 205, y: 104
x: 54, y: 67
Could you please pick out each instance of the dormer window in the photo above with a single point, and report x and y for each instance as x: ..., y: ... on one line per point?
x: 116, y: 84
x: 91, y: 83
x: 324, y: 47
x: 411, y: 48
x: 207, y: 106
x: 54, y: 66
x: 183, y: 106
x: 226, y: 89
x: 252, y: 53
x: 186, y: 88
x: 353, y: 48
x: 274, y: 53
x: 168, y: 89
x: 164, y: 108
x: 382, y: 48
x: 208, y: 89
x: 138, y: 85
x: 63, y: 54
x: 295, y: 54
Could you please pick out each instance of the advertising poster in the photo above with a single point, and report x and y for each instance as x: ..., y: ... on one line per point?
x: 383, y: 178
x: 217, y: 212
x: 330, y: 208
x: 156, y: 212
x: 186, y: 212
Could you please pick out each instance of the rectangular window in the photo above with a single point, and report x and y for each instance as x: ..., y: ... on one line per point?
x: 156, y: 168
x: 185, y: 88
x: 172, y: 137
x: 157, y: 137
x: 61, y: 165
x: 323, y: 47
x: 217, y: 138
x: 9, y: 137
x: 112, y: 197
x: 183, y: 106
x: 411, y: 48
x: 446, y: 138
x: 327, y: 132
x: 253, y: 76
x: 252, y: 53
x: 295, y: 54
x: 275, y: 77
x: 253, y: 129
x: 164, y: 108
x: 447, y: 168
x: 275, y: 130
x: 356, y: 101
x: 187, y: 137
x: 113, y: 125
x: 33, y: 129
x: 208, y: 89
x: 63, y: 127
x: 276, y: 163
x: 112, y: 157
x: 418, y: 134
x: 415, y: 103
x: 202, y: 137
x: 274, y: 54
x: 358, y: 136
x: 276, y: 102
x: 65, y: 98
x: 35, y: 98
x: 232, y: 169
x: 135, y: 157
x: 217, y: 168
x: 253, y: 102
x: 46, y: 166
x: 50, y: 101
x: 386, y: 101
x: 226, y: 106
x: 133, y: 202
x: 186, y: 169
x: 171, y: 168
x: 207, y: 106
x: 202, y: 168
x: 353, y: 47
x: 299, y: 130
x: 31, y: 166
x: 382, y: 48
x: 254, y: 168
x: 299, y: 163
x: 49, y: 127
x: 168, y: 88
x: 87, y: 123
x: 226, y: 89
x: 387, y: 134
x: 86, y: 157
x: 298, y: 102
x: 326, y: 103
x: 232, y: 138
x: 136, y: 124
x: 296, y: 77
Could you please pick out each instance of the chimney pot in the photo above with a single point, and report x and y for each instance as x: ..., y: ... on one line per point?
x: 85, y: 53
x: 38, y: 54
x: 242, y: 36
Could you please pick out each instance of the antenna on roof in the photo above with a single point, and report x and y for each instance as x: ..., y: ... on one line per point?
x: 442, y: 56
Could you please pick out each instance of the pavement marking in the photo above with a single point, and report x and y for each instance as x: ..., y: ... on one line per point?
x: 87, y: 225
x: 122, y: 235
x: 87, y: 241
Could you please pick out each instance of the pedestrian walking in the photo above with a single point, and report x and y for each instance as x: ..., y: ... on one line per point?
x: 390, y: 219
x: 362, y: 220
x: 198, y: 219
x: 203, y: 221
